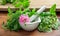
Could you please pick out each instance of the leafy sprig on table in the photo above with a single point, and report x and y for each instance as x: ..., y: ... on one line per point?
x: 12, y: 22
x: 13, y: 19
x: 48, y: 20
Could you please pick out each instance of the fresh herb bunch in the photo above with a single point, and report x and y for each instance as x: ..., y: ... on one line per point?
x: 13, y: 19
x: 48, y: 20
x: 16, y: 3
x: 12, y: 22
x: 21, y: 3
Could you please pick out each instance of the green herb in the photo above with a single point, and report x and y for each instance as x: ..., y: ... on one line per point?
x: 32, y: 12
x: 48, y: 20
x: 21, y: 3
x: 16, y: 3
x: 53, y: 9
x: 13, y: 19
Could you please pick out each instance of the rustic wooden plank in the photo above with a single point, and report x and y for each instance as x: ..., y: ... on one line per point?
x: 48, y: 3
x: 36, y: 4
x: 3, y: 17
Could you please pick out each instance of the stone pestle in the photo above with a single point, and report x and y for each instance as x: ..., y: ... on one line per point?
x: 34, y: 16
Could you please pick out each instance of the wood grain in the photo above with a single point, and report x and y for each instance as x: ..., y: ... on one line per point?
x: 35, y: 4
x: 3, y: 17
x: 48, y: 3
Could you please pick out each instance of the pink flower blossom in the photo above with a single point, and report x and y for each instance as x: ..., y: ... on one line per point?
x: 23, y: 19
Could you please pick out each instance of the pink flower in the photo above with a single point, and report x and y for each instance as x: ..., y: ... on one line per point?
x: 23, y: 19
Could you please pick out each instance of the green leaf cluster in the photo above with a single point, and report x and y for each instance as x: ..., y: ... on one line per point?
x: 48, y: 20
x: 21, y: 3
x: 16, y: 3
x: 13, y: 20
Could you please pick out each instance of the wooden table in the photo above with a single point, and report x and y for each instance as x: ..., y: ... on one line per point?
x: 48, y: 3
x: 36, y: 4
x: 3, y: 17
x: 33, y: 4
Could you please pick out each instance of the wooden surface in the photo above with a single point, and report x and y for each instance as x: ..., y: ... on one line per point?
x: 3, y: 17
x: 48, y: 3
x: 36, y: 4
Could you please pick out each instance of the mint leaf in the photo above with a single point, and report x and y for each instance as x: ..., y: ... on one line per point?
x: 53, y: 9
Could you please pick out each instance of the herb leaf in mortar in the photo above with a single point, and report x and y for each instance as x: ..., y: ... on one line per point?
x: 48, y: 20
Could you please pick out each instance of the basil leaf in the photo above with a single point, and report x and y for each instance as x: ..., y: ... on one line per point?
x: 53, y: 9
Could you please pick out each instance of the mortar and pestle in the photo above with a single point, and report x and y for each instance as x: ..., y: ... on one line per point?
x: 30, y: 26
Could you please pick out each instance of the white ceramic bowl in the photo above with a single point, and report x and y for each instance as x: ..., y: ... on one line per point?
x: 31, y: 26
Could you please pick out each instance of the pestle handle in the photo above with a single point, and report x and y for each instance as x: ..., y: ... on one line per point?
x: 41, y: 9
x: 33, y: 17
